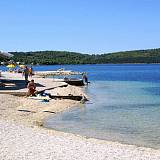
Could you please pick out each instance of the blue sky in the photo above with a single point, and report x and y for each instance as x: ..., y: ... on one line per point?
x: 86, y: 26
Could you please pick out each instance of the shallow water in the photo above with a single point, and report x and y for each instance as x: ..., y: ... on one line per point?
x: 128, y: 112
x: 124, y: 106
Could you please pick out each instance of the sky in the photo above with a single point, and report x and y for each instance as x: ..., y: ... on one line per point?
x: 85, y: 26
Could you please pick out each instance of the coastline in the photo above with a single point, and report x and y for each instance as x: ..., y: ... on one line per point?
x: 18, y: 130
x: 17, y: 124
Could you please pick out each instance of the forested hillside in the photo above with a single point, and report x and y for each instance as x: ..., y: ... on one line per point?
x: 63, y: 57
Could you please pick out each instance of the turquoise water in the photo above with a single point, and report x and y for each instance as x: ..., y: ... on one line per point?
x: 127, y: 112
x: 124, y: 104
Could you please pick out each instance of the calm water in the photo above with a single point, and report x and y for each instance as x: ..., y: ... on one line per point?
x: 124, y: 104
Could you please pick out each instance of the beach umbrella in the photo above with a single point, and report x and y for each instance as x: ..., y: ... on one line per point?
x: 22, y: 66
x: 11, y: 66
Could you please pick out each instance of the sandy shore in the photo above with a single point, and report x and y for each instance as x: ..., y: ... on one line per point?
x: 21, y: 136
x: 25, y: 143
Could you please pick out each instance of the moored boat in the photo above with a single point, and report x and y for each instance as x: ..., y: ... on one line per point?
x: 75, y: 82
x: 71, y: 81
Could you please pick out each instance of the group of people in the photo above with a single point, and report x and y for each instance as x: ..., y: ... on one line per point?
x: 28, y: 72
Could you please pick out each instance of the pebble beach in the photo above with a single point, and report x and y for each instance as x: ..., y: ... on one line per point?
x: 22, y: 135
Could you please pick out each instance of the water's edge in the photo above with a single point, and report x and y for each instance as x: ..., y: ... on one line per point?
x: 82, y: 116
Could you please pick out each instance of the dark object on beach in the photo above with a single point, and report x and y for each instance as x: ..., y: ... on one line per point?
x: 43, y: 94
x: 45, y: 100
x: 24, y: 110
x: 2, y: 84
x: 75, y: 82
x: 76, y: 98
x: 84, y: 99
x: 49, y: 111
x: 42, y: 91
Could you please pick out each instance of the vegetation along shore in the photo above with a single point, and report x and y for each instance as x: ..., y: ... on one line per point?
x: 64, y: 57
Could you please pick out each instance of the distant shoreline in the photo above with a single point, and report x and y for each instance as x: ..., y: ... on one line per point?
x: 65, y: 57
x: 88, y: 64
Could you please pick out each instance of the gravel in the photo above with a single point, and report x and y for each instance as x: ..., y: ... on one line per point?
x: 19, y: 142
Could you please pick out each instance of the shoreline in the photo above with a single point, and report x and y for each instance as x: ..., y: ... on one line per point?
x: 30, y: 111
x: 39, y: 142
x: 15, y: 124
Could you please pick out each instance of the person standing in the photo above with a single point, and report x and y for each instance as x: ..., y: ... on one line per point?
x: 84, y: 76
x: 26, y: 73
x: 30, y: 72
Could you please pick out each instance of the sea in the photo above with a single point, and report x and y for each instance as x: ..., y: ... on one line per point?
x: 123, y: 106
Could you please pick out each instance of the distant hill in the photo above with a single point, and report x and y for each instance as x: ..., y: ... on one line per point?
x: 64, y: 57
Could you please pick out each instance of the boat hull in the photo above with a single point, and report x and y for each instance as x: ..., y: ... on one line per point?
x: 75, y: 82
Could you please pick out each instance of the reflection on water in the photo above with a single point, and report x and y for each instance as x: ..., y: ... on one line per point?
x: 124, y: 111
